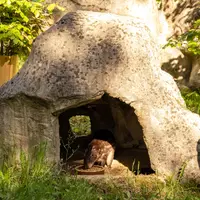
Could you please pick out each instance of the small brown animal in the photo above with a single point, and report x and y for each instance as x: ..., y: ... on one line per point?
x: 100, y: 152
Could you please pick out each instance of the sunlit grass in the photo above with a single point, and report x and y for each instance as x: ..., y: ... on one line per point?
x: 35, y: 179
x: 192, y: 99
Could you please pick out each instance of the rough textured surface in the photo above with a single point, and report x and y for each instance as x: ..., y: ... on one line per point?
x: 181, y: 14
x: 80, y: 58
x: 26, y: 122
x: 128, y: 132
x: 174, y: 18
x: 144, y: 9
x: 177, y: 64
x: 194, y: 80
x: 179, y: 18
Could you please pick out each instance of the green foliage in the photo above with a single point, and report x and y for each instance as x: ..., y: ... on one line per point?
x: 174, y: 190
x: 151, y: 188
x: 20, y: 22
x: 192, y: 99
x: 189, y: 41
x: 15, y: 176
x: 80, y: 125
x: 34, y: 178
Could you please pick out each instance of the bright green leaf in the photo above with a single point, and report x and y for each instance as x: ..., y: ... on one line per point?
x: 2, y: 2
x: 51, y: 7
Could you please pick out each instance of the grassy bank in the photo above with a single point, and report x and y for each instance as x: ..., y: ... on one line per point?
x: 192, y: 99
x: 15, y: 185
x: 34, y: 179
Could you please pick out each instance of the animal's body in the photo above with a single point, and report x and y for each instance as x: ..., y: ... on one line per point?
x: 100, y: 152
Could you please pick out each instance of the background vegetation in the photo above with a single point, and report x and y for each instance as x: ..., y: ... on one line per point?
x: 188, y: 42
x: 21, y: 21
x: 80, y: 125
x: 192, y: 99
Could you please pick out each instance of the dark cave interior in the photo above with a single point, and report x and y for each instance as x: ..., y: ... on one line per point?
x: 110, y: 114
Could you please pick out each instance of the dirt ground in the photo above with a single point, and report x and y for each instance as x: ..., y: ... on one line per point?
x: 117, y: 170
x: 118, y: 175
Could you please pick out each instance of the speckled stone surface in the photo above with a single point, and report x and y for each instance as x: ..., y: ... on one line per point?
x: 76, y: 61
x: 145, y: 9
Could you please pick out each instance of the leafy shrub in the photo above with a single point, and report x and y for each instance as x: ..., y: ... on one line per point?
x: 20, y: 22
x: 189, y: 41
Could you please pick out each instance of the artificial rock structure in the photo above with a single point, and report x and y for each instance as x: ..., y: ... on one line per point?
x: 74, y: 63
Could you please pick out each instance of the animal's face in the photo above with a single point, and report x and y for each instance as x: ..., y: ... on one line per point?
x: 91, y: 157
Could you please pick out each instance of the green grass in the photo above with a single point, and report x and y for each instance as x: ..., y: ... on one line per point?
x: 35, y: 179
x: 152, y: 188
x: 192, y: 99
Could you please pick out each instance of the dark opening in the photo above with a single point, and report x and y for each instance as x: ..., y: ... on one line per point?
x: 78, y: 125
